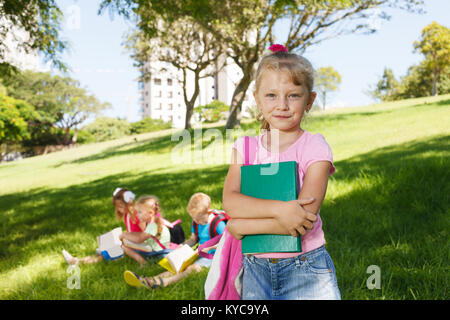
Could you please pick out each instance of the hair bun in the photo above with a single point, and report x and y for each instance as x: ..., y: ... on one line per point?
x: 277, y: 48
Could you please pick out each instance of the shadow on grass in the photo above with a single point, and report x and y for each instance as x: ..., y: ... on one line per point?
x: 395, y: 215
x: 87, y: 208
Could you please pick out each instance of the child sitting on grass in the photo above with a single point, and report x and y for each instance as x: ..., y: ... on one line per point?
x: 124, y: 207
x: 156, y: 234
x: 205, y: 226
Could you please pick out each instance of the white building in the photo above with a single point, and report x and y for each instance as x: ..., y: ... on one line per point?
x: 162, y: 94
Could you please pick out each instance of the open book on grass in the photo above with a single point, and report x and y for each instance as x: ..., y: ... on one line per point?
x: 138, y: 246
x: 109, y: 244
x: 179, y: 259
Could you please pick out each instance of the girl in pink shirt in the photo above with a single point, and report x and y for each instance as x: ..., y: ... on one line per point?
x: 123, y: 202
x: 124, y: 207
x: 283, y: 93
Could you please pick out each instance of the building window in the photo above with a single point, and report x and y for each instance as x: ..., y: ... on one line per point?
x: 157, y: 81
x: 169, y: 82
x: 170, y: 106
x: 170, y: 119
x: 170, y: 94
x: 159, y: 94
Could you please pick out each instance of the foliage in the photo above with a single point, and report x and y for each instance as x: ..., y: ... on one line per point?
x: 247, y: 27
x: 387, y: 87
x: 60, y: 101
x: 213, y: 111
x: 40, y: 20
x: 84, y: 137
x: 14, y: 115
x: 416, y: 83
x: 105, y: 128
x: 434, y: 44
x: 148, y: 125
x: 184, y: 45
x: 430, y: 77
x: 326, y: 80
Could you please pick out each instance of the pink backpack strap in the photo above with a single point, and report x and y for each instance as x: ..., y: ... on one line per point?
x: 160, y: 244
x: 250, y: 149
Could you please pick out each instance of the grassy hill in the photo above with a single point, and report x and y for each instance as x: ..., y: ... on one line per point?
x: 386, y: 205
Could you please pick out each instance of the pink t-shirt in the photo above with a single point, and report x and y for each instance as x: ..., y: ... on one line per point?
x: 308, y: 148
x: 130, y: 226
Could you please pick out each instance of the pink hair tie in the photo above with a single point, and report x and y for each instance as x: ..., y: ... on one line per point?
x: 277, y: 48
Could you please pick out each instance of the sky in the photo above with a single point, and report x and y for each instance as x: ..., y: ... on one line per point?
x: 98, y: 59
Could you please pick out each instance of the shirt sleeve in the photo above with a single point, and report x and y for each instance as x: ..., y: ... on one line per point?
x: 318, y: 150
x: 151, y: 229
x: 239, y: 146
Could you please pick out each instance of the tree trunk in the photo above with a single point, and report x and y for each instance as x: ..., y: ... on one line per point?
x: 75, y: 137
x: 236, y: 102
x: 190, y: 102
x: 189, y: 113
x: 324, y: 99
x: 66, y: 136
x: 434, y: 90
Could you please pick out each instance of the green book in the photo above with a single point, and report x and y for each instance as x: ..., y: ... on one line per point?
x: 269, y: 181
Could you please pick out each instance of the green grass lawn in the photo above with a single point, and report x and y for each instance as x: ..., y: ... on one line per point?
x: 386, y: 205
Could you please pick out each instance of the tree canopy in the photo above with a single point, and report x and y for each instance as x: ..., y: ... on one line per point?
x: 247, y: 27
x: 434, y: 44
x: 40, y: 20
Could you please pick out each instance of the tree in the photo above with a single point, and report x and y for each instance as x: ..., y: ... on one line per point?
x: 247, y: 27
x: 105, y: 128
x: 416, y: 83
x: 213, y: 111
x: 326, y: 79
x: 435, y: 46
x: 60, y: 102
x: 387, y: 87
x: 14, y: 117
x: 184, y: 45
x: 40, y: 20
x: 148, y: 125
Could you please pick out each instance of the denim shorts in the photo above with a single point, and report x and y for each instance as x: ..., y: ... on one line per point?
x: 153, y: 254
x: 310, y: 276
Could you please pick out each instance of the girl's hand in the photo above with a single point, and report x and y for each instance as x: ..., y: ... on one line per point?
x: 292, y: 216
x: 207, y: 249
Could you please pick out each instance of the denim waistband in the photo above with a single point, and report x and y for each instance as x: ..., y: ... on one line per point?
x: 281, y: 261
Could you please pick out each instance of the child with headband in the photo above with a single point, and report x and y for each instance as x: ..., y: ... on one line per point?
x: 283, y: 93
x: 124, y: 207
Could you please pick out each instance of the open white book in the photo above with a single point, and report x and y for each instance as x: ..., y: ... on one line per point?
x: 109, y: 244
x: 179, y: 259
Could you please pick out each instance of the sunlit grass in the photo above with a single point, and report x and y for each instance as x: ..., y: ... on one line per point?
x: 386, y: 205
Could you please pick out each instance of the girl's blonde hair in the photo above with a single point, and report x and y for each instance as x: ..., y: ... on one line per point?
x: 299, y: 68
x: 152, y: 202
x: 118, y: 196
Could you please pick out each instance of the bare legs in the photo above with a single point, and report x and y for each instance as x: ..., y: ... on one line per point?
x: 169, y: 278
